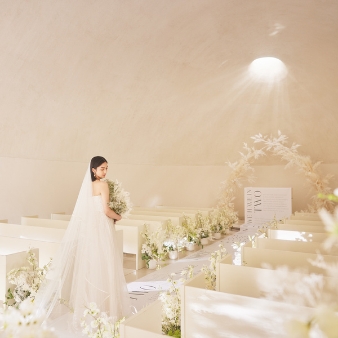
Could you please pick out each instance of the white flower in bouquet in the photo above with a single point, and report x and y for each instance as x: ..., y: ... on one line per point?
x: 27, y: 281
x: 210, y: 271
x: 119, y: 200
x: 97, y: 324
x: 24, y: 322
x: 153, y: 247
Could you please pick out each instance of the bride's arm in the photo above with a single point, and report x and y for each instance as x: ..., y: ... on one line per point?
x: 105, y: 200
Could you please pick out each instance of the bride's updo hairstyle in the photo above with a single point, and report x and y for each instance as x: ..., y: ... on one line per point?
x: 94, y: 163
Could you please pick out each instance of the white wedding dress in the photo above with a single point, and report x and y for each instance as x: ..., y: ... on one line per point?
x: 87, y: 268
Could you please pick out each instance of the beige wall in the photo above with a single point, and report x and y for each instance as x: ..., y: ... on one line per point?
x: 42, y: 187
x: 162, y: 89
x: 164, y: 82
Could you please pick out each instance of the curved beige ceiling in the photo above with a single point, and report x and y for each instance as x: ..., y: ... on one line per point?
x: 164, y: 82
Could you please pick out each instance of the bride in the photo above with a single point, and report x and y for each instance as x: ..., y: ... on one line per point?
x: 87, y: 268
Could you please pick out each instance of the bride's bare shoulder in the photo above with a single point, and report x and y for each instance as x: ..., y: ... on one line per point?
x: 98, y: 186
x: 103, y: 184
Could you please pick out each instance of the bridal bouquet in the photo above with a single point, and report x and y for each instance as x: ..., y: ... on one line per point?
x: 119, y: 200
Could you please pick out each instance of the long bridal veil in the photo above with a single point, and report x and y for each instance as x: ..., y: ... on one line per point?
x: 87, y: 267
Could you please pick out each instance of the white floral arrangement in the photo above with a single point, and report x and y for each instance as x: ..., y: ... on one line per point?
x: 175, y: 234
x: 97, y: 324
x: 191, y: 230
x: 27, y: 280
x: 153, y: 248
x: 243, y: 170
x: 277, y: 145
x: 171, y: 304
x: 222, y: 219
x: 210, y: 271
x: 119, y: 199
x: 203, y: 225
x: 24, y: 322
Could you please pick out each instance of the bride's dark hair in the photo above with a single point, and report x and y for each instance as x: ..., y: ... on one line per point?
x: 94, y: 163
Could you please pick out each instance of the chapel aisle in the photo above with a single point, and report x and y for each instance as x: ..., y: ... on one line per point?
x: 145, y: 285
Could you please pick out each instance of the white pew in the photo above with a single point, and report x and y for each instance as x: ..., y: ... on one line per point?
x: 297, y: 235
x: 296, y: 246
x: 207, y: 313
x: 306, y: 216
x: 60, y: 217
x: 8, y: 261
x: 145, y: 218
x: 132, y: 238
x: 47, y: 249
x: 254, y: 257
x: 228, y: 277
x: 181, y: 208
x: 3, y: 220
x: 42, y: 222
x: 32, y: 232
x: 302, y: 227
x: 304, y: 222
x: 146, y: 323
x: 57, y: 224
x: 172, y: 210
x: 162, y: 214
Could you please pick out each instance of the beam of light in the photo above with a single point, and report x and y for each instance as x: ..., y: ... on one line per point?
x: 267, y: 69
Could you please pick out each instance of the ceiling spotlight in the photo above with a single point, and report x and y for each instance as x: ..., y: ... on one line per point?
x: 267, y: 69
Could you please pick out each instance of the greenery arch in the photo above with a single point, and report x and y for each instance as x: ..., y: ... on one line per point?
x: 242, y: 170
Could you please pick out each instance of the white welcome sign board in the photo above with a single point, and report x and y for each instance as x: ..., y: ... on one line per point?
x: 262, y: 204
